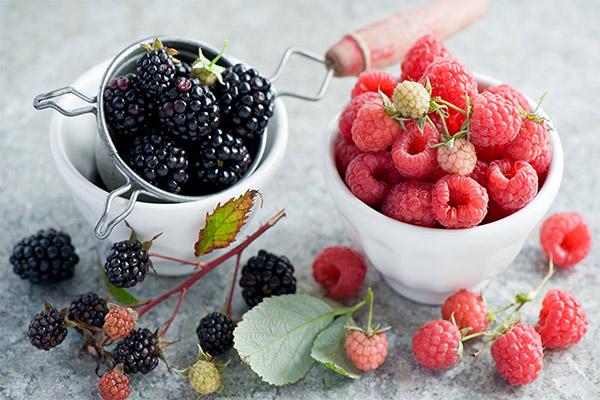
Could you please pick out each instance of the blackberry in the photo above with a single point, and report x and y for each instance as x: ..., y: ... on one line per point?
x: 138, y: 352
x: 220, y: 161
x: 47, y: 329
x: 45, y: 257
x: 267, y: 275
x: 159, y: 161
x: 183, y: 69
x: 88, y: 308
x: 127, y: 263
x: 246, y: 101
x: 215, y: 333
x: 156, y: 69
x: 188, y: 110
x: 127, y: 111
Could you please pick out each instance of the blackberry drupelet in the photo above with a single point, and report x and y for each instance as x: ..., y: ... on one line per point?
x: 138, y: 352
x: 127, y: 263
x: 128, y: 112
x: 159, y: 161
x: 47, y: 329
x: 188, y: 110
x: 220, y: 161
x: 45, y: 257
x: 267, y: 275
x: 88, y: 308
x: 215, y: 333
x: 246, y: 101
x: 156, y: 69
x: 183, y: 69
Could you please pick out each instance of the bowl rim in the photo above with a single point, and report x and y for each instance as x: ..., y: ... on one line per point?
x: 278, y: 138
x: 545, y: 194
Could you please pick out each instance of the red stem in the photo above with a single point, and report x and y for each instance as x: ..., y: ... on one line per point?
x: 174, y: 259
x: 183, y: 292
x: 237, y: 267
x: 212, y: 264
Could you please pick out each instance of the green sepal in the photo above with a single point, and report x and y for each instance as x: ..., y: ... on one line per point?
x: 207, y: 71
x: 388, y: 107
x: 185, y: 372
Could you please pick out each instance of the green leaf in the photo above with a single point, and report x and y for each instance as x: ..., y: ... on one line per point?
x: 277, y: 335
x: 223, y: 225
x: 329, y: 349
x: 120, y: 295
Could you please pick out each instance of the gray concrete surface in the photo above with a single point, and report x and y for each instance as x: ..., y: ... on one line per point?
x: 549, y: 46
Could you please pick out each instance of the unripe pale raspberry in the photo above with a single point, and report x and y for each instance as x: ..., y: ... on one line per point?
x: 119, y: 322
x: 366, y: 353
x: 204, y: 377
x: 114, y: 386
x: 411, y: 99
x: 460, y: 159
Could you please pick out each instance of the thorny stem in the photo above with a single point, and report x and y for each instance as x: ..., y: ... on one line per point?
x: 207, y: 267
x: 168, y: 324
x: 235, y: 272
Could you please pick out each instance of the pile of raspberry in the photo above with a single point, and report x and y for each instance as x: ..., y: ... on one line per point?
x: 435, y: 149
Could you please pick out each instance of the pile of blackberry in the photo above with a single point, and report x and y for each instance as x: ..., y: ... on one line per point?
x: 182, y: 129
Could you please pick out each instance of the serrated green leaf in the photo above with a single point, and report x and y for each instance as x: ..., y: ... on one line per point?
x: 276, y: 337
x: 120, y: 295
x: 329, y: 350
x: 223, y: 225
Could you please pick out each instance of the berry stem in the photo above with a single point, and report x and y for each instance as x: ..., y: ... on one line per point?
x: 235, y: 272
x: 473, y: 335
x: 207, y: 267
x: 460, y: 110
x: 168, y: 324
x: 175, y: 259
x: 370, y: 297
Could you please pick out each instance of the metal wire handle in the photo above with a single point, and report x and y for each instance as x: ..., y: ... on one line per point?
x: 100, y: 230
x: 306, y: 54
x: 43, y: 101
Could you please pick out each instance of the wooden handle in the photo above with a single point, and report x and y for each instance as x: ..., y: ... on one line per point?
x: 385, y: 42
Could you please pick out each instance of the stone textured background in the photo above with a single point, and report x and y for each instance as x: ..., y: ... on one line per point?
x: 535, y: 47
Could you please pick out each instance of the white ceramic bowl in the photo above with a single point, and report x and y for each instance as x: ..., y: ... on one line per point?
x: 72, y: 144
x: 428, y: 264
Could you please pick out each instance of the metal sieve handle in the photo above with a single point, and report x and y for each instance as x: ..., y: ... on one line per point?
x: 103, y: 229
x: 43, y: 100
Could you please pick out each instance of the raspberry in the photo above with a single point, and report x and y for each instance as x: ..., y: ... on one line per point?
x: 480, y: 173
x: 366, y: 353
x: 128, y: 112
x: 119, y: 322
x: 511, y: 94
x: 88, y: 308
x: 542, y: 161
x: 437, y: 345
x: 155, y: 69
x: 46, y: 257
x: 458, y: 202
x: 518, y: 354
x: 340, y: 270
x: 458, y: 159
x: 215, y: 333
x: 266, y: 275
x: 412, y: 152
x: 437, y: 174
x: 127, y: 263
x: 512, y: 184
x: 349, y: 114
x: 495, y: 120
x: 344, y: 153
x: 566, y: 238
x: 373, y: 129
x: 411, y: 99
x: 468, y: 310
x: 420, y: 55
x: 410, y: 202
x: 138, y: 352
x: 374, y: 80
x: 529, y: 143
x: 562, y: 319
x: 47, y: 329
x: 370, y: 176
x: 204, y: 377
x: 114, y: 386
x: 453, y: 82
x: 489, y: 154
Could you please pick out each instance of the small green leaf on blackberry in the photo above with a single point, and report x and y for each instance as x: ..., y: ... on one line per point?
x: 223, y: 224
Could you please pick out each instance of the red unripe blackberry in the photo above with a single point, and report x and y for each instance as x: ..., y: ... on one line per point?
x: 138, y: 352
x: 215, y: 333
x: 267, y: 275
x: 127, y: 263
x: 127, y: 111
x: 188, y: 110
x: 156, y: 71
x: 46, y: 257
x: 159, y: 161
x: 88, y: 308
x: 246, y: 101
x: 47, y: 329
x: 220, y: 161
